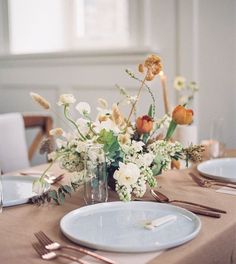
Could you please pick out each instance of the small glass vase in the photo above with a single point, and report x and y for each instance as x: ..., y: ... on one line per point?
x: 95, y: 178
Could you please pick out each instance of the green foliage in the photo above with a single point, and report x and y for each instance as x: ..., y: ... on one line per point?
x: 157, y: 166
x: 171, y: 130
x: 58, y: 195
x: 110, y: 143
x: 150, y: 111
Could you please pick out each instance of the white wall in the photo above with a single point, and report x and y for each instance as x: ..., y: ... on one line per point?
x: 217, y: 66
x: 194, y: 38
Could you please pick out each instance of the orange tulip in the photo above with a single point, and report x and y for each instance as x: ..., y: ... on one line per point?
x: 182, y: 116
x: 175, y: 164
x: 144, y: 124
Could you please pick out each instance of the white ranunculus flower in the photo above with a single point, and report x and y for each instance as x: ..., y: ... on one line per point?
x: 66, y: 99
x: 145, y: 160
x: 83, y: 108
x: 127, y: 174
x: 179, y: 83
x: 83, y: 125
x: 108, y: 125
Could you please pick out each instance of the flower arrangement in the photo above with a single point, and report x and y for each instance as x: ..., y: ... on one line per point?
x: 186, y: 91
x: 135, y: 150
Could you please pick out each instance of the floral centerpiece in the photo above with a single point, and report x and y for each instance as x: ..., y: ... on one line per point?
x: 135, y: 150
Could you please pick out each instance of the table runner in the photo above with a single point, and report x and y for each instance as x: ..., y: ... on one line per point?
x: 216, y: 242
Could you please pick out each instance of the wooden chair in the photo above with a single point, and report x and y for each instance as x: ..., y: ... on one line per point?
x: 37, y: 121
x: 14, y: 152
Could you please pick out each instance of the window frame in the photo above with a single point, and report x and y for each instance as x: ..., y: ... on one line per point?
x: 138, y: 23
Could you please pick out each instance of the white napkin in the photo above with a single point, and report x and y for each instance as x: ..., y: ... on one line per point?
x: 160, y: 221
x: 124, y: 258
x: 227, y: 190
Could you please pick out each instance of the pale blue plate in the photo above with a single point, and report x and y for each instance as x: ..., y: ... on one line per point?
x: 18, y: 189
x: 119, y: 226
x: 219, y: 169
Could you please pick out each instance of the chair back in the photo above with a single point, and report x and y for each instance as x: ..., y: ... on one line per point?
x: 14, y: 153
x: 37, y: 121
x: 13, y: 147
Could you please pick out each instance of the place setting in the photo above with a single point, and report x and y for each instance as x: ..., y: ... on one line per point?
x: 218, y: 174
x: 18, y: 189
x: 110, y: 181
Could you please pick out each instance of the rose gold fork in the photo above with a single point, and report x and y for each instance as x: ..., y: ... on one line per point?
x: 48, y: 255
x: 209, y: 183
x: 52, y: 245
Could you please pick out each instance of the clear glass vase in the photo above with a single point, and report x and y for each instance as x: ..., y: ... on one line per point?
x: 95, y: 178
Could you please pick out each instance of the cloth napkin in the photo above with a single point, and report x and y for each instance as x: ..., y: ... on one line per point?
x: 124, y: 258
x: 227, y: 190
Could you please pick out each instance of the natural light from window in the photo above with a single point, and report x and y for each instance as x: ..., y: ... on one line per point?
x: 41, y: 26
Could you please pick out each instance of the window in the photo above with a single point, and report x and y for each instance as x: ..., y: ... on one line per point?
x: 58, y: 25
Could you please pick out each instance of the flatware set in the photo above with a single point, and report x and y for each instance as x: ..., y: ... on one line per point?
x: 52, y: 246
x: 209, y: 183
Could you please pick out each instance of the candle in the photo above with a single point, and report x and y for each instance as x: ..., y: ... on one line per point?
x: 165, y: 92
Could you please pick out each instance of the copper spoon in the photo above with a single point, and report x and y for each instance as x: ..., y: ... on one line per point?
x: 198, y: 208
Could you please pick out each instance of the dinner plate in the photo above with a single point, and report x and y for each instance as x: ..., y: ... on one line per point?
x: 119, y: 226
x: 220, y: 169
x: 18, y: 189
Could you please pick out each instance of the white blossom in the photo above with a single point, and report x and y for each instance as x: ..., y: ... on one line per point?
x: 83, y: 108
x: 66, y: 99
x: 83, y: 125
x: 108, y: 125
x: 179, y: 83
x: 127, y: 174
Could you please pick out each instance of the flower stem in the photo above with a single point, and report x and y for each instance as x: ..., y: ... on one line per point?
x: 90, y: 124
x: 148, y: 88
x: 44, y: 173
x: 73, y: 122
x: 134, y: 104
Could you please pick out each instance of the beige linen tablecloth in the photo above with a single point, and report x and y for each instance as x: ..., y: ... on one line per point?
x: 216, y: 242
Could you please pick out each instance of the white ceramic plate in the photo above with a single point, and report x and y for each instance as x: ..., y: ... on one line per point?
x: 119, y: 226
x: 220, y: 169
x: 18, y: 189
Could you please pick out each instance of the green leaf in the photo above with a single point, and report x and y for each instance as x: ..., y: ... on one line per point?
x: 156, y: 169
x: 61, y: 197
x: 110, y: 143
x: 150, y: 111
x: 171, y: 130
x: 145, y: 137
x: 67, y: 189
x: 53, y: 194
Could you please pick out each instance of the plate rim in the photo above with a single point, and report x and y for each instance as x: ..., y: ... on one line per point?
x: 187, y: 213
x: 213, y: 176
x: 19, y: 177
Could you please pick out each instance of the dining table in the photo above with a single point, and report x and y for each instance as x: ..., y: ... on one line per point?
x: 215, y: 243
